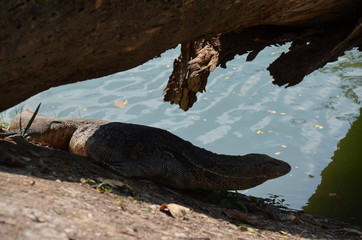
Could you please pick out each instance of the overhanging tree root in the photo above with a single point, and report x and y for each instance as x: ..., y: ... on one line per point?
x: 190, y: 73
x: 311, y: 48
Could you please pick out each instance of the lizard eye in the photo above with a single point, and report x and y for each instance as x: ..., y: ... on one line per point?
x: 29, y: 136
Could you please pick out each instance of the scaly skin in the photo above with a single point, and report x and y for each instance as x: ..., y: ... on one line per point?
x: 146, y: 152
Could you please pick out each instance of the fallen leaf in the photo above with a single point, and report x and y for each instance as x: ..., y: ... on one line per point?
x: 251, y: 230
x: 113, y: 182
x: 282, y: 232
x: 243, y: 228
x: 259, y: 132
x: 297, y: 219
x: 290, y: 218
x: 163, y: 207
x: 278, y: 153
x: 176, y: 211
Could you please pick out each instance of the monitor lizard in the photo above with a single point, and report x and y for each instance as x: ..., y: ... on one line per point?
x: 133, y: 150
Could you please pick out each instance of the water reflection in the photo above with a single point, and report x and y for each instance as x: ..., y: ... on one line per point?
x: 339, y: 195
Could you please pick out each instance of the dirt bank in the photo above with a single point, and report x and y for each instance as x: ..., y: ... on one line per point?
x: 51, y: 194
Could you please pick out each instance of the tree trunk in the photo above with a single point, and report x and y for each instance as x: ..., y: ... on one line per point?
x: 47, y: 43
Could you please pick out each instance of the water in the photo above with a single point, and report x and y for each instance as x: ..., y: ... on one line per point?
x: 241, y: 112
x: 339, y: 194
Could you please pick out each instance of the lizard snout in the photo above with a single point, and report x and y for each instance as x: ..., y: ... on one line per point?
x: 275, y: 168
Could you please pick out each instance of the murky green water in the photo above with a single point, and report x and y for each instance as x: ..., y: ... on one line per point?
x: 339, y: 194
x: 242, y: 112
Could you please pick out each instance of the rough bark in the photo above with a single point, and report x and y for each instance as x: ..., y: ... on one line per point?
x: 47, y: 43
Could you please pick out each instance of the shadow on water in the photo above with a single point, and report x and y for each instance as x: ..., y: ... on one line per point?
x: 339, y: 195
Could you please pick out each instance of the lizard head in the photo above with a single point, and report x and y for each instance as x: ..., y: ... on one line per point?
x: 225, y: 172
x: 258, y: 168
x: 53, y: 133
x: 271, y: 167
x: 44, y: 130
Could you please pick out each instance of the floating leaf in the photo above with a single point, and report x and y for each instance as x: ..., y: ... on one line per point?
x: 334, y: 195
x: 283, y: 146
x: 272, y: 111
x: 270, y: 131
x: 318, y: 126
x: 278, y: 153
x: 259, y: 132
x: 121, y: 104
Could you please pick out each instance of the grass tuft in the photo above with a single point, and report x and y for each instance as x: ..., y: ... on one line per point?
x: 23, y: 133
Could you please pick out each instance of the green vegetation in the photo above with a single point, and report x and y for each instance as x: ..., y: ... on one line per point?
x: 102, y: 187
x: 24, y: 132
x: 277, y: 201
x: 3, y: 123
x: 150, y: 210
